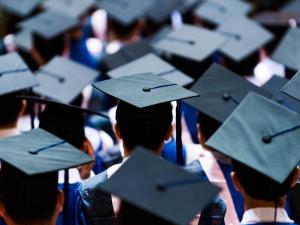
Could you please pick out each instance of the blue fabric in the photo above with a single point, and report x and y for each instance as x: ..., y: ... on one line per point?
x: 2, y: 222
x: 169, y: 151
x: 75, y: 210
x: 191, y: 118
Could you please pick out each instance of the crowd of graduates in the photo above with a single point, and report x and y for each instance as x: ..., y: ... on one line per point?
x: 149, y: 112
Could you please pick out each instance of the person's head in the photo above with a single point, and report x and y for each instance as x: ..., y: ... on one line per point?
x: 125, y: 33
x: 132, y: 215
x: 148, y: 127
x: 207, y: 126
x: 11, y: 110
x: 46, y: 49
x: 29, y: 199
x: 258, y: 186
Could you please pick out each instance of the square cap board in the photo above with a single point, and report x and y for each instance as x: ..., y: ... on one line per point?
x: 190, y: 42
x: 63, y: 80
x: 20, y: 8
x: 260, y: 130
x: 151, y: 63
x: 218, y: 11
x: 244, y: 37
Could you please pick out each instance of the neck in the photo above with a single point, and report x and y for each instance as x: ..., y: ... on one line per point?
x: 9, y: 126
x: 250, y: 203
x: 128, y: 151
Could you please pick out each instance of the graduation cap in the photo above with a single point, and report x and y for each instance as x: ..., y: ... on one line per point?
x: 162, y: 9
x: 38, y: 152
x: 291, y: 88
x: 288, y: 50
x: 72, y: 8
x: 143, y: 90
x: 63, y: 80
x: 190, y: 42
x: 262, y: 135
x: 218, y: 11
x: 188, y: 5
x: 125, y: 12
x: 291, y: 6
x: 273, y: 86
x: 160, y: 188
x: 49, y: 24
x: 221, y: 91
x: 24, y: 40
x: 152, y: 63
x: 20, y: 8
x: 127, y: 54
x: 14, y: 74
x: 244, y: 37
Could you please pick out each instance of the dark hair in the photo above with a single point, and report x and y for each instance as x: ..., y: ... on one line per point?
x: 146, y: 127
x: 27, y: 199
x: 120, y: 29
x: 10, y: 109
x: 132, y: 215
x: 208, y: 125
x: 259, y: 186
x: 49, y: 48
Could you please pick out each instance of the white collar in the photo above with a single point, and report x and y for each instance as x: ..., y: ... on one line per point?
x: 111, y: 170
x: 259, y: 215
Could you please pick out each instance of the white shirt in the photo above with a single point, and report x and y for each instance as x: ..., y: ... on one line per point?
x: 265, y: 215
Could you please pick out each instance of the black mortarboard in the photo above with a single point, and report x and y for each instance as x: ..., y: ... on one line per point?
x: 288, y: 50
x: 218, y: 11
x: 19, y: 7
x: 262, y: 135
x: 127, y: 54
x: 160, y: 188
x: 37, y: 152
x: 49, y: 24
x: 143, y: 90
x: 190, y: 42
x: 244, y: 37
x: 151, y: 63
x: 63, y: 80
x: 273, y: 86
x: 72, y: 8
x: 24, y: 40
x: 161, y: 10
x: 221, y: 91
x: 291, y: 88
x: 14, y: 74
x: 125, y: 12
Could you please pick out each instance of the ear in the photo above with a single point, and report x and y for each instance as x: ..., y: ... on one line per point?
x: 60, y: 199
x: 236, y: 182
x: 296, y: 176
x: 169, y: 133
x: 23, y: 108
x: 117, y: 131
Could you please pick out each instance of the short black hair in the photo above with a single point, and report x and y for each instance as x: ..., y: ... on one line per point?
x: 260, y: 186
x: 132, y: 215
x: 208, y: 125
x: 27, y: 199
x: 146, y: 127
x: 11, y: 107
x: 49, y: 48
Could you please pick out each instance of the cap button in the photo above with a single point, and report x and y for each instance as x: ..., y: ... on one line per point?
x: 226, y: 96
x: 146, y: 89
x: 267, y: 139
x: 161, y: 187
x: 33, y: 152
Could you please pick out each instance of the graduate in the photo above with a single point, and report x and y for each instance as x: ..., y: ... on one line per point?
x: 265, y: 156
x: 15, y: 79
x: 29, y: 179
x: 178, y: 195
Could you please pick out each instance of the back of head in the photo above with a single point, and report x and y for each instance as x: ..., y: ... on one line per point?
x: 27, y: 199
x: 259, y: 186
x: 131, y: 215
x: 208, y: 125
x: 145, y: 127
x: 11, y: 107
x: 49, y: 48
